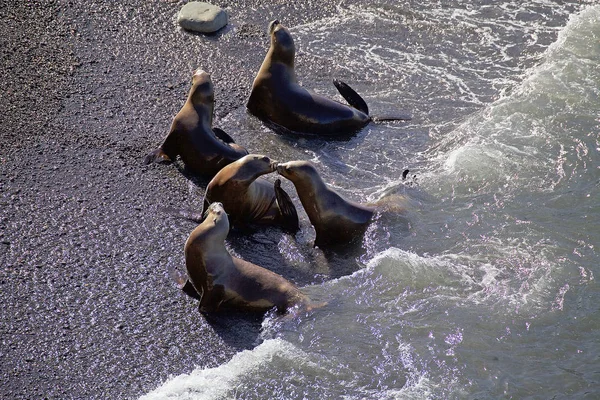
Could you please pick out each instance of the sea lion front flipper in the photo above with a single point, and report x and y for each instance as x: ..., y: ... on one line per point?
x: 190, y: 290
x: 351, y: 96
x: 221, y: 134
x: 287, y: 208
x: 228, y: 140
x: 157, y: 156
x: 212, y: 300
x: 183, y: 283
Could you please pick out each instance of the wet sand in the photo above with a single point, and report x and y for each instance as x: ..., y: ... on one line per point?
x: 89, y: 308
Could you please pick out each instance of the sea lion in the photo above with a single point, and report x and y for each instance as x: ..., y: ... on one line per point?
x: 202, y: 148
x: 250, y: 199
x: 221, y: 281
x: 337, y: 221
x: 278, y: 100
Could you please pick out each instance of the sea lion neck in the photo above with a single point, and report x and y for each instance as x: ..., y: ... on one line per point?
x: 278, y: 56
x: 215, y: 230
x: 202, y: 99
x: 282, y: 47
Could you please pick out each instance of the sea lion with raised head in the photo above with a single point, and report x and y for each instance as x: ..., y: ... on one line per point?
x: 278, y: 100
x: 221, y: 281
x: 250, y: 199
x: 337, y: 221
x: 202, y: 148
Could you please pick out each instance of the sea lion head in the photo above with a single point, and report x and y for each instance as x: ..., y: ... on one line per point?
x: 298, y: 171
x: 202, y: 91
x: 216, y: 219
x: 282, y: 44
x: 258, y: 163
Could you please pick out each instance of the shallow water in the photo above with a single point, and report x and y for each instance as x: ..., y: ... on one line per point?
x: 485, y: 287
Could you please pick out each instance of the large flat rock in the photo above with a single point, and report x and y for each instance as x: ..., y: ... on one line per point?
x: 202, y: 17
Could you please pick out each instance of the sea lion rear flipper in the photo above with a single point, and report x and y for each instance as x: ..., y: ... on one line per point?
x: 287, y: 208
x: 157, y: 156
x: 221, y: 134
x: 351, y: 96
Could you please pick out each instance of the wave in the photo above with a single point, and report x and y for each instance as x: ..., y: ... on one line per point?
x: 351, y: 348
x: 543, y: 133
x: 221, y: 382
x: 373, y: 339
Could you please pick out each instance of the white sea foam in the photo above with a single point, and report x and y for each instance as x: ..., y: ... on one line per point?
x: 512, y: 141
x: 220, y: 382
x: 517, y: 277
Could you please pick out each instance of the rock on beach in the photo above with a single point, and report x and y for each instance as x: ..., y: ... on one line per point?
x: 202, y: 17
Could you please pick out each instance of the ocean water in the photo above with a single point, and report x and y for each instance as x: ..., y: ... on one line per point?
x: 487, y: 286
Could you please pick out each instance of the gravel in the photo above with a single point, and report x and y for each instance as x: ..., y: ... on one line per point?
x: 89, y: 305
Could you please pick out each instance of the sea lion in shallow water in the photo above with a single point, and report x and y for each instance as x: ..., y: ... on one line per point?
x: 278, y: 100
x: 337, y: 221
x: 250, y: 199
x: 202, y: 148
x: 221, y: 281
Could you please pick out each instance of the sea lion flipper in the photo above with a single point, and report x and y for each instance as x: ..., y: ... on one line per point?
x: 287, y: 208
x: 157, y: 156
x: 351, y: 96
x: 190, y: 290
x: 221, y: 134
x: 212, y: 300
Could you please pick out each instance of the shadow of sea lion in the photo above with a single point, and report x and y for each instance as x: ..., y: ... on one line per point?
x: 197, y: 180
x: 238, y: 329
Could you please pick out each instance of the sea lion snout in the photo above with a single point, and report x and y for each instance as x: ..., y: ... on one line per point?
x: 272, y: 163
x: 216, y: 207
x: 281, y: 168
x: 201, y: 77
x: 201, y: 72
x: 262, y: 162
x: 273, y: 25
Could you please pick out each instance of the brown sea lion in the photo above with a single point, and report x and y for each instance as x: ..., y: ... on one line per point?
x: 337, y: 221
x: 222, y: 282
x: 250, y: 199
x: 278, y: 100
x: 202, y: 148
